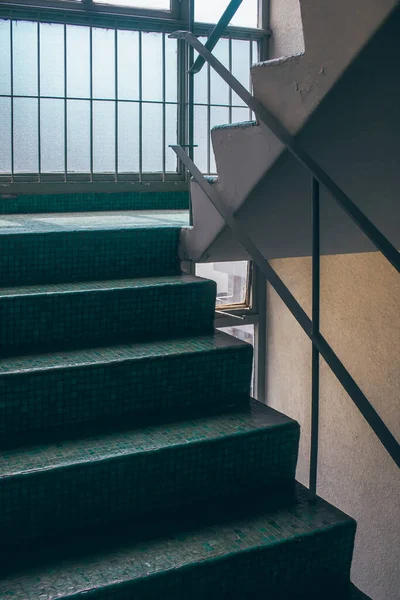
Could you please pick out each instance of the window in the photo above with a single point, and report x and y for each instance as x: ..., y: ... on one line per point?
x: 210, y: 11
x: 79, y: 102
x: 214, y: 102
x: 233, y: 282
x: 149, y: 4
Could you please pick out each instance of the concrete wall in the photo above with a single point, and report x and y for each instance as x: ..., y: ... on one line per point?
x: 354, y: 136
x: 287, y: 28
x: 360, y: 318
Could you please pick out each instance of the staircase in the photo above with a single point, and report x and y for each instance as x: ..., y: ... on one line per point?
x: 134, y: 464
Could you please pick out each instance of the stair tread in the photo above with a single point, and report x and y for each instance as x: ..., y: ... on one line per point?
x: 59, y: 222
x: 98, y: 286
x: 135, y: 561
x: 105, y: 446
x: 119, y: 353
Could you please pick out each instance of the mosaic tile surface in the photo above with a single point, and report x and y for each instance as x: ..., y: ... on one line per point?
x: 59, y: 315
x: 70, y: 256
x: 127, y: 440
x: 134, y: 381
x: 283, y: 553
x: 135, y: 475
x: 36, y: 203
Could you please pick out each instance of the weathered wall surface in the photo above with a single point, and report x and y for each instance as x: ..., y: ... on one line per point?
x: 360, y: 317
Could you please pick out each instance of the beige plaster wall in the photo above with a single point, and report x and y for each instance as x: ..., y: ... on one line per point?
x: 360, y: 309
x: 287, y: 28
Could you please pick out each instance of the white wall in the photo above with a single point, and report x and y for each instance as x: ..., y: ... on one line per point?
x: 360, y: 318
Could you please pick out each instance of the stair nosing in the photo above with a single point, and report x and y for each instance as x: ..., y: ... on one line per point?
x: 174, y: 280
x: 258, y: 430
x: 235, y: 345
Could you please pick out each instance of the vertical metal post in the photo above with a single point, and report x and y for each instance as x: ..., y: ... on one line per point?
x: 39, y: 104
x: 65, y: 108
x: 250, y: 80
x: 140, y: 108
x: 91, y: 101
x: 12, y: 96
x: 316, y: 330
x: 230, y: 71
x: 190, y: 111
x: 116, y: 100
x: 164, y: 115
x: 208, y: 118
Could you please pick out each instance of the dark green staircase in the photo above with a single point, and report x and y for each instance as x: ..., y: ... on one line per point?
x: 133, y: 463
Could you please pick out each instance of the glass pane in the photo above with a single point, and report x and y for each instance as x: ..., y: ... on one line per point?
x: 52, y: 135
x: 104, y: 137
x: 152, y: 138
x: 240, y: 114
x: 5, y: 53
x: 128, y: 65
x: 149, y: 4
x: 152, y: 66
x: 171, y: 70
x: 201, y: 81
x: 25, y: 59
x: 241, y: 66
x: 128, y: 137
x: 201, y: 136
x: 51, y: 60
x: 232, y: 279
x: 78, y: 61
x: 219, y: 116
x: 171, y: 136
x: 103, y: 50
x: 210, y: 11
x: 5, y: 139
x: 26, y: 135
x: 78, y: 136
x: 220, y: 89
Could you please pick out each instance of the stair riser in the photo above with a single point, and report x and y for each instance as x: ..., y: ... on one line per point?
x: 137, y: 391
x: 28, y: 259
x: 61, y: 320
x: 138, y: 487
x: 310, y: 568
x: 64, y: 203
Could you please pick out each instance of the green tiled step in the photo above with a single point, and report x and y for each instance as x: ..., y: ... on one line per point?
x: 293, y: 553
x: 53, y: 489
x: 66, y: 315
x: 136, y: 382
x: 63, y: 203
x: 30, y: 258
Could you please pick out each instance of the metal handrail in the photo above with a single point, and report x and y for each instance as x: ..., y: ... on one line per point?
x: 310, y: 326
x: 216, y: 33
x: 271, y: 122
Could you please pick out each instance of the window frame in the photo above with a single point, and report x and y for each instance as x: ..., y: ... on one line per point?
x: 89, y: 7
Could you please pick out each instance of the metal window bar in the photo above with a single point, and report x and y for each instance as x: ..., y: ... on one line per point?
x: 15, y: 179
x: 311, y: 326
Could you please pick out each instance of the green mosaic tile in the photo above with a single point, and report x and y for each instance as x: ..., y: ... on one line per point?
x: 131, y: 381
x: 74, y: 255
x: 61, y: 315
x: 38, y: 203
x: 292, y: 552
x: 95, y: 481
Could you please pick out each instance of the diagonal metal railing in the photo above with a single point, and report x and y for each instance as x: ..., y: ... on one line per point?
x: 311, y: 327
